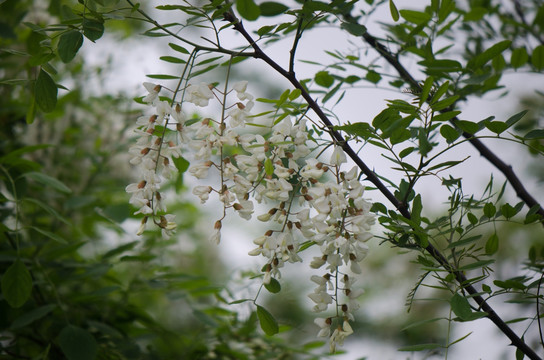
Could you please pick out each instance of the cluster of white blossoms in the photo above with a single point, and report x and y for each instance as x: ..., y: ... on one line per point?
x: 310, y: 202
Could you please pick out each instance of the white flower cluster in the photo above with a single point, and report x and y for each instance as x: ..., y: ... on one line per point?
x: 311, y: 202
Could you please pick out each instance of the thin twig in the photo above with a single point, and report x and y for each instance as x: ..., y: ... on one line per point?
x: 506, y: 169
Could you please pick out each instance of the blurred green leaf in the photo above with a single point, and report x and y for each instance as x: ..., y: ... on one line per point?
x: 69, y: 44
x: 272, y: 8
x: 45, y: 92
x: 394, y: 11
x: 31, y: 316
x: 273, y: 286
x: 93, y: 29
x: 267, y: 321
x: 248, y: 9
x: 48, y: 181
x: 77, y: 343
x: 16, y: 284
x: 492, y: 244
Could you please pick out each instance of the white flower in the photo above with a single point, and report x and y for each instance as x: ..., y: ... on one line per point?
x: 311, y: 169
x: 216, y: 234
x: 325, y: 325
x: 240, y: 113
x: 338, y: 157
x: 244, y: 209
x: 203, y: 192
x: 153, y: 92
x: 318, y: 262
x: 339, y: 335
x: 199, y: 95
x: 240, y: 88
x: 322, y: 299
x: 200, y: 171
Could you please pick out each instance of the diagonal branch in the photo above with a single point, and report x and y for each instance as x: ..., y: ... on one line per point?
x: 506, y: 169
x: 374, y: 179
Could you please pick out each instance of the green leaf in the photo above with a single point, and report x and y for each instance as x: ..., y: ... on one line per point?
x: 50, y: 235
x: 69, y: 44
x: 16, y: 284
x: 264, y: 30
x: 271, y: 8
x: 162, y: 76
x: 373, y: 76
x: 323, y: 78
x: 77, y: 343
x: 172, y: 59
x: 268, y: 167
x: 394, y: 11
x: 426, y: 89
x: 31, y: 112
x: 267, y: 321
x: 442, y: 89
x: 449, y: 133
x: 46, y: 92
x: 416, y: 208
x: 519, y: 57
x: 512, y: 120
x: 294, y: 94
x: 442, y: 104
x: 472, y: 218
x: 48, y: 181
x: 273, y: 286
x: 468, y: 126
x: 537, y: 57
x: 481, y: 59
x: 93, y: 29
x: 534, y: 134
x: 248, y: 9
x: 178, y: 48
x: 354, y: 28
x: 460, y: 306
x: 415, y: 17
x: 446, y: 116
x: 476, y: 265
x: 489, y: 210
x: 508, y: 211
x: 520, y: 355
x: 31, y: 316
x: 497, y: 127
x: 406, y: 152
x: 492, y: 244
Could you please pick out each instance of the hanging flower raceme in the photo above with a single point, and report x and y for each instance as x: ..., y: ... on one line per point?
x: 307, y: 201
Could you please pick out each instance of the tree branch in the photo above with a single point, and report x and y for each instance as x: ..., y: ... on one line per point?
x: 373, y: 178
x: 506, y: 169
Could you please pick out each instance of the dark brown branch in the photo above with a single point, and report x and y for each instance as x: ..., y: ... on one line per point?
x: 373, y: 178
x: 506, y: 169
